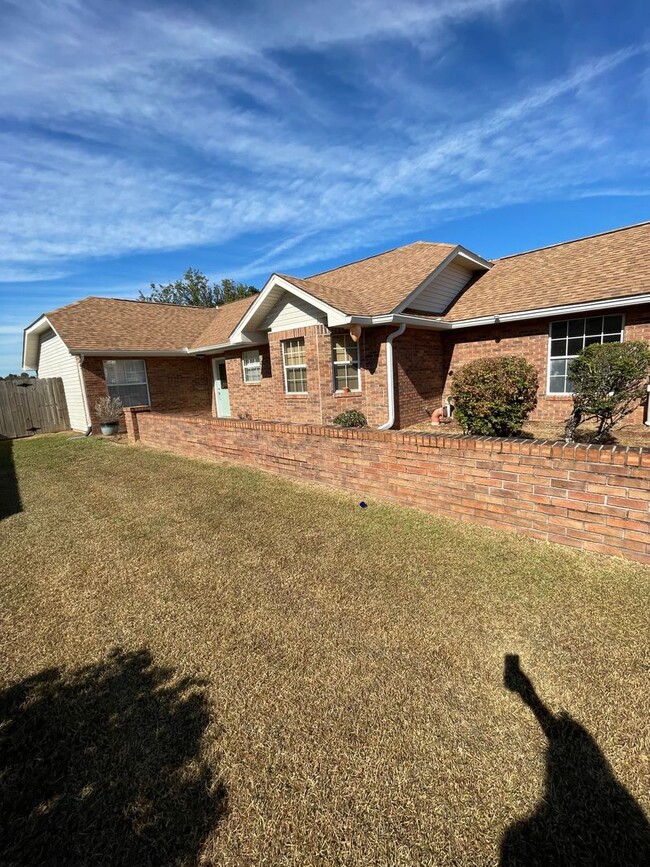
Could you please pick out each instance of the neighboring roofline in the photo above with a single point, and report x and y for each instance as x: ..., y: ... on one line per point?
x: 574, y: 240
x: 457, y: 253
x: 284, y: 283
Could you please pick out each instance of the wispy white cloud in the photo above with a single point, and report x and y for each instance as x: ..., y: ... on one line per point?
x: 184, y: 127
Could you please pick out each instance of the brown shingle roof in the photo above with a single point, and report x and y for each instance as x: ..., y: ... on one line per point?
x: 116, y: 324
x: 223, y: 324
x: 611, y: 265
x: 378, y: 284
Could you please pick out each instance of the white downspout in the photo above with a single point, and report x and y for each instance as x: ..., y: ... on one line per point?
x: 84, y: 396
x: 390, y: 379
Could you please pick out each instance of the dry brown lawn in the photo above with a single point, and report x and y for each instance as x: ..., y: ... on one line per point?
x: 204, y: 664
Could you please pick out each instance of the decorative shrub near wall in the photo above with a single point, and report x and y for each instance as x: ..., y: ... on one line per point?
x: 350, y: 418
x: 609, y: 382
x: 495, y: 396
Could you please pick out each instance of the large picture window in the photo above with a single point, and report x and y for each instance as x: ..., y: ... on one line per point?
x: 127, y: 379
x: 345, y: 362
x: 569, y: 337
x: 251, y: 362
x: 295, y: 366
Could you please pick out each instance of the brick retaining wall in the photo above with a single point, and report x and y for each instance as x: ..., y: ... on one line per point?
x: 591, y: 497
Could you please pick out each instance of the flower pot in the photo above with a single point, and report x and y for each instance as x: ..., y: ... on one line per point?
x: 109, y: 429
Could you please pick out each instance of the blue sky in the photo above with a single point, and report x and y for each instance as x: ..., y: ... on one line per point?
x: 139, y: 138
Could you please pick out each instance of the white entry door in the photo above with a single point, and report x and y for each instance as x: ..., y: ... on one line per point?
x: 222, y: 399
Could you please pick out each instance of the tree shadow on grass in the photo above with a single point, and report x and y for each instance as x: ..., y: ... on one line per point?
x: 103, y: 766
x: 10, y: 502
x: 586, y: 816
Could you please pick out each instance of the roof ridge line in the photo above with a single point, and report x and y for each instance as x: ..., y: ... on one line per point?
x: 376, y: 255
x: 574, y: 240
x: 143, y: 301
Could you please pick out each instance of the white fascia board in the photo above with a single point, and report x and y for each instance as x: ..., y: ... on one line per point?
x: 474, y: 258
x: 457, y: 253
x: 129, y: 353
x: 254, y: 338
x: 334, y: 316
x: 40, y: 326
x: 546, y: 312
x: 399, y: 319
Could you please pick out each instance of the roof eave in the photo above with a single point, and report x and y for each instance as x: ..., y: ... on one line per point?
x: 545, y: 312
x: 130, y: 353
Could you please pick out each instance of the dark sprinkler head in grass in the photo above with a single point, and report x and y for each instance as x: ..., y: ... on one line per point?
x: 102, y: 765
x: 586, y: 817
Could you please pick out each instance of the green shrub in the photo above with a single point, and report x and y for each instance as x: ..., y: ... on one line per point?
x: 494, y: 396
x: 608, y: 381
x: 351, y: 418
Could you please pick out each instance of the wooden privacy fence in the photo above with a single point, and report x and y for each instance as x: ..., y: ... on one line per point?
x: 29, y: 406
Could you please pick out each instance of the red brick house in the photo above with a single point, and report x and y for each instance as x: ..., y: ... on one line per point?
x: 382, y: 335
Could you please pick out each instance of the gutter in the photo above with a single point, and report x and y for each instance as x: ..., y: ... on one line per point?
x: 390, y: 378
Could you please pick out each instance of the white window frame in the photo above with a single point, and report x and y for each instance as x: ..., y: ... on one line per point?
x: 286, y: 366
x: 354, y: 363
x: 248, y: 365
x: 570, y: 358
x: 121, y: 361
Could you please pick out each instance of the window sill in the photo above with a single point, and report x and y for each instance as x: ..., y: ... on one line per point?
x: 344, y: 394
x: 303, y: 395
x: 251, y: 383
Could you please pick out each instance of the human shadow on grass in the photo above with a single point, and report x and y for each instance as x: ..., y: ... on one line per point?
x: 10, y: 502
x: 103, y: 766
x: 586, y: 817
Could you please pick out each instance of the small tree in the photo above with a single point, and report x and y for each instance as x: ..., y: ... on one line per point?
x: 609, y: 381
x: 195, y: 290
x: 494, y: 396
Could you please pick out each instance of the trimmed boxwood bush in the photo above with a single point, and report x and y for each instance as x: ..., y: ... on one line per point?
x: 351, y: 418
x: 494, y: 396
x: 609, y: 381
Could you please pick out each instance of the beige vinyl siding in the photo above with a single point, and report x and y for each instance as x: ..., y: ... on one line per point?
x: 443, y: 289
x: 55, y: 360
x: 292, y: 312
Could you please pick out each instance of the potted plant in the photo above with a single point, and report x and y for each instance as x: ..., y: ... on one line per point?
x: 108, y: 410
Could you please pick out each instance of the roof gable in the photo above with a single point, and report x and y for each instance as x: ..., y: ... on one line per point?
x: 377, y: 285
x: 612, y: 265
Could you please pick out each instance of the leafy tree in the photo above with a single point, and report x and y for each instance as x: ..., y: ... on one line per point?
x: 609, y: 382
x: 494, y: 396
x: 23, y: 375
x: 195, y: 290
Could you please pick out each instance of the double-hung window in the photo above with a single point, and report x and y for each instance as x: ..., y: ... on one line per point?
x: 127, y: 379
x: 345, y: 362
x: 251, y: 362
x: 569, y: 338
x: 295, y: 366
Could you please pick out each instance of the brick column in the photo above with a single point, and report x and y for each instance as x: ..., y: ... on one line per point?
x: 131, y: 421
